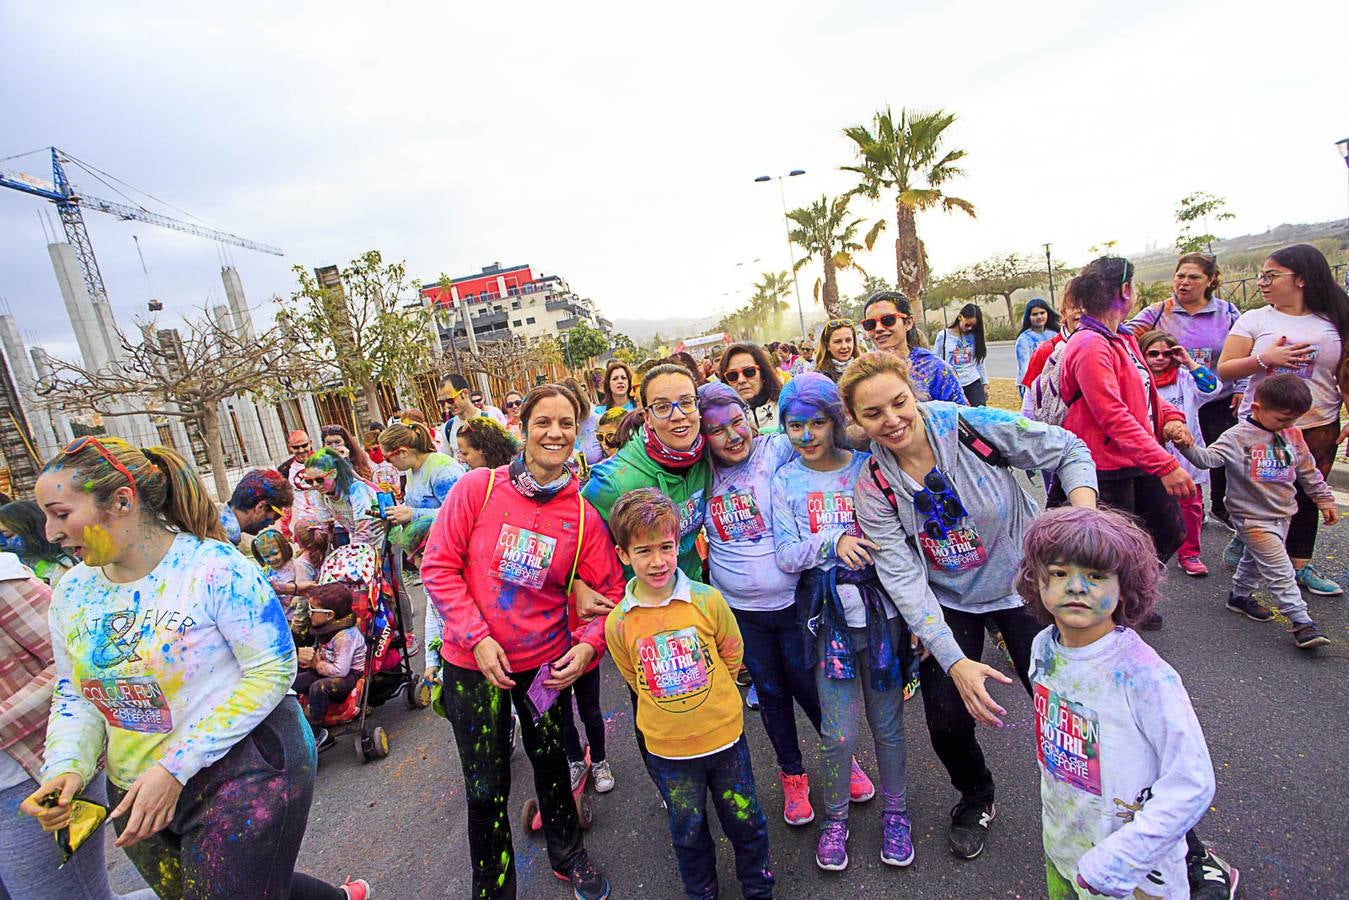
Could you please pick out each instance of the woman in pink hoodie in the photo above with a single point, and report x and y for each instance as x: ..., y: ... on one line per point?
x: 499, y: 566
x: 1114, y: 408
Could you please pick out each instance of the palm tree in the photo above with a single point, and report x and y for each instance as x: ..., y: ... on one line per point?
x: 827, y: 232
x: 907, y: 156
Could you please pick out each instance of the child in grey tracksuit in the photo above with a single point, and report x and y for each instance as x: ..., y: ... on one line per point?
x: 1264, y: 456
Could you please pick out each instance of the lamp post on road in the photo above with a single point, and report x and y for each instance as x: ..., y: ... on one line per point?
x: 1343, y: 146
x: 791, y: 254
x: 1049, y: 268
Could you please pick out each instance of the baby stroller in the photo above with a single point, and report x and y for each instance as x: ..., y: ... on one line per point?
x: 388, y: 670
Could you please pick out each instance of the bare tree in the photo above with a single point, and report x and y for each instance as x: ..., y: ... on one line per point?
x: 182, y: 373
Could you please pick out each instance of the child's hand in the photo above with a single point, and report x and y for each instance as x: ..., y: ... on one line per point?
x: 1088, y: 888
x: 304, y: 587
x: 852, y: 551
x: 590, y: 603
x: 1183, y: 357
x: 305, y: 657
x: 1330, y: 515
x: 431, y: 675
x: 1176, y: 432
x: 53, y: 818
x: 570, y: 667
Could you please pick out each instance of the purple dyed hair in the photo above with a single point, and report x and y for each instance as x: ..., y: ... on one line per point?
x: 714, y: 395
x: 1101, y: 539
x: 810, y: 393
x: 644, y: 511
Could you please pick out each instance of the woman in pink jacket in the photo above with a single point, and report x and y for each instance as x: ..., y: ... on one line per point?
x: 499, y: 565
x: 1114, y: 408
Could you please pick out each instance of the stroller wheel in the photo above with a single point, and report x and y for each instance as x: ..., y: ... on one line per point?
x: 585, y: 811
x: 378, y: 743
x: 527, y: 814
x: 418, y: 695
x: 361, y: 753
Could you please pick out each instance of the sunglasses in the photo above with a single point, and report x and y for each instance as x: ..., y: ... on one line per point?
x: 939, y: 504
x: 315, y: 482
x: 610, y: 440
x: 838, y: 323
x: 514, y: 404
x: 1159, y: 354
x: 80, y: 443
x: 318, y: 609
x: 886, y: 321
x: 734, y: 375
x: 296, y: 448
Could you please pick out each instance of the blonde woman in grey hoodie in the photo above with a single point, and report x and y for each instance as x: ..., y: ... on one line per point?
x: 940, y: 500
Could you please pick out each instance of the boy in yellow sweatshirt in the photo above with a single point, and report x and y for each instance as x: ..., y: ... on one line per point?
x: 677, y: 645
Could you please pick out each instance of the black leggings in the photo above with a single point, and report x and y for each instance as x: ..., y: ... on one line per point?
x: 238, y: 826
x: 1144, y: 497
x: 1302, y: 528
x: 322, y: 691
x: 480, y: 714
x: 586, y: 689
x: 976, y: 393
x: 1214, y: 419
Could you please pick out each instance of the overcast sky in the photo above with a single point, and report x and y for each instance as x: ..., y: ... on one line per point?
x: 616, y: 144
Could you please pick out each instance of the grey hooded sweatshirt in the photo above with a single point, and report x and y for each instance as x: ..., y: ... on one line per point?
x: 972, y: 572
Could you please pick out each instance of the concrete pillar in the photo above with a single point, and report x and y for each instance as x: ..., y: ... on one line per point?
x: 234, y: 292
x: 309, y: 411
x: 84, y: 319
x: 271, y: 432
x: 59, y: 422
x: 39, y: 419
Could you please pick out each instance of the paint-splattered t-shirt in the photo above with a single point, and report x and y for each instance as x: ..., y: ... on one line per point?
x: 739, y: 528
x: 1124, y: 770
x: 174, y: 668
x: 357, y: 512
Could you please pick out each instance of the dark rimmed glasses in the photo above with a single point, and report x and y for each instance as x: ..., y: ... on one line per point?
x: 664, y: 409
x: 734, y: 375
x: 89, y: 440
x: 887, y: 320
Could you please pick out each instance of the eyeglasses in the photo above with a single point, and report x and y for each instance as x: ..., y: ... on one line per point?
x: 939, y: 503
x: 319, y: 609
x: 80, y: 443
x: 1268, y: 277
x: 748, y: 372
x: 886, y: 321
x: 514, y: 404
x: 664, y: 409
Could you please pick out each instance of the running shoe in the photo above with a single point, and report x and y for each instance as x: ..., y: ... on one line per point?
x: 831, y: 853
x: 743, y: 678
x: 896, y: 841
x: 1223, y: 518
x: 1248, y: 608
x: 356, y: 889
x: 796, y: 808
x: 752, y: 698
x: 578, y: 771
x: 603, y: 776
x: 587, y: 882
x: 860, y: 788
x: 1193, y: 566
x: 323, y: 740
x: 1316, y: 583
x: 515, y: 731
x: 969, y: 827
x: 1308, y: 636
x: 1152, y: 623
x: 1232, y: 553
x: 1211, y: 877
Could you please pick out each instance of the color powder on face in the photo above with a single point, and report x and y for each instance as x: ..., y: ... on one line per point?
x: 98, y: 545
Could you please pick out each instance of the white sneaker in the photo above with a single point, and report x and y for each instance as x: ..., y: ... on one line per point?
x: 578, y: 771
x: 604, y: 777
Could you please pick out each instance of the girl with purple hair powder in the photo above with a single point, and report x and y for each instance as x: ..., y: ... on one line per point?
x: 855, y: 639
x: 1124, y: 768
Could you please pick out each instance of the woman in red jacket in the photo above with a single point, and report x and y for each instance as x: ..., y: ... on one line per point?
x: 506, y: 639
x: 1114, y: 408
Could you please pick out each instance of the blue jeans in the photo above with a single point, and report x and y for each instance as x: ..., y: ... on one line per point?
x: 843, y: 702
x: 775, y: 653
x: 30, y: 864
x: 684, y: 785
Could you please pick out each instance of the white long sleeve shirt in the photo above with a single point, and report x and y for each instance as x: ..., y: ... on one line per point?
x: 1124, y: 769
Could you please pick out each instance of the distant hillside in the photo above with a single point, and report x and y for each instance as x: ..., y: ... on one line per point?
x: 1246, y: 251
x: 643, y: 330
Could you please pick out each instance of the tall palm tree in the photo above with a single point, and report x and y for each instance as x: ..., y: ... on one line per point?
x: 769, y: 300
x: 907, y: 157
x: 828, y: 233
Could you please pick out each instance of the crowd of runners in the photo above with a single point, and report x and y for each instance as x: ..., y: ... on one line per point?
x: 838, y: 527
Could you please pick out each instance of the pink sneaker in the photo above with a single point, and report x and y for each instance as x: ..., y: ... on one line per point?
x: 1193, y: 566
x: 356, y: 889
x: 796, y: 808
x: 860, y: 788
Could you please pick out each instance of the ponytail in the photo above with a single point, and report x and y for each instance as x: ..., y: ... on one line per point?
x: 186, y: 505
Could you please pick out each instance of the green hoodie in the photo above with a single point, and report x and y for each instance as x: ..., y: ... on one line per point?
x: 630, y: 468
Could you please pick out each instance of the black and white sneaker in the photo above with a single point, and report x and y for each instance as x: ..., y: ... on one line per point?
x: 1211, y: 877
x: 587, y: 882
x: 969, y: 827
x: 1223, y: 518
x: 323, y: 740
x: 1247, y: 607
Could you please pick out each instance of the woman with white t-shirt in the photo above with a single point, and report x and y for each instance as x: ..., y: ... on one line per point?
x: 1303, y: 330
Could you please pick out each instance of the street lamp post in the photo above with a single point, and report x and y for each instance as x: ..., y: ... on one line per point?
x: 791, y: 254
x: 1343, y: 146
x: 1049, y: 268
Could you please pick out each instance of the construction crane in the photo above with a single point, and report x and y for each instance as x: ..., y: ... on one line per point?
x: 69, y: 203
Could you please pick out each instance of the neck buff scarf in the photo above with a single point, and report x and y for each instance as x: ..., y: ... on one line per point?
x: 1167, y: 378
x: 323, y: 632
x: 524, y: 482
x: 669, y: 457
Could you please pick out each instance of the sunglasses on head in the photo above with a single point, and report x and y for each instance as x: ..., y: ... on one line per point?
x: 838, y: 323
x: 885, y: 321
x: 80, y: 443
x: 734, y: 375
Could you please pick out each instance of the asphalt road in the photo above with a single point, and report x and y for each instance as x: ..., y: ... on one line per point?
x: 1276, y: 720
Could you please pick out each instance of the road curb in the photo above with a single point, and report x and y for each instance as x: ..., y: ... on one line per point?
x: 1339, y: 475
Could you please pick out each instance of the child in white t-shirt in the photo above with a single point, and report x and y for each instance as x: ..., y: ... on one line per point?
x: 1124, y: 769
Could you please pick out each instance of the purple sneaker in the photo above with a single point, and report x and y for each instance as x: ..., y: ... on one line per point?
x: 896, y: 842
x: 831, y: 854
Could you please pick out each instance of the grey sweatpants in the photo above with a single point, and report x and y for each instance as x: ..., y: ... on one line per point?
x: 1265, y: 563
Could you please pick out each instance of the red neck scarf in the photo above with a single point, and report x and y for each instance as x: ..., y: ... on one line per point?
x: 669, y: 457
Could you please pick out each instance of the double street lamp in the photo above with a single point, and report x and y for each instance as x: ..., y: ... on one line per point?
x: 1343, y: 146
x: 791, y: 254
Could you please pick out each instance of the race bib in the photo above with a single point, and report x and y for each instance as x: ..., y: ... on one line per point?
x: 1068, y: 740
x: 832, y: 509
x: 132, y: 704
x: 691, y: 514
x: 1271, y: 464
x: 962, y: 355
x: 522, y: 556
x: 736, y: 517
x: 1201, y: 355
x: 677, y: 668
x: 961, y: 550
x: 1304, y: 371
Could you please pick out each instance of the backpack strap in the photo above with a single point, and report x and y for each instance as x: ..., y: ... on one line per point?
x: 580, y: 538
x: 976, y: 444
x: 882, y: 483
x: 491, y: 482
